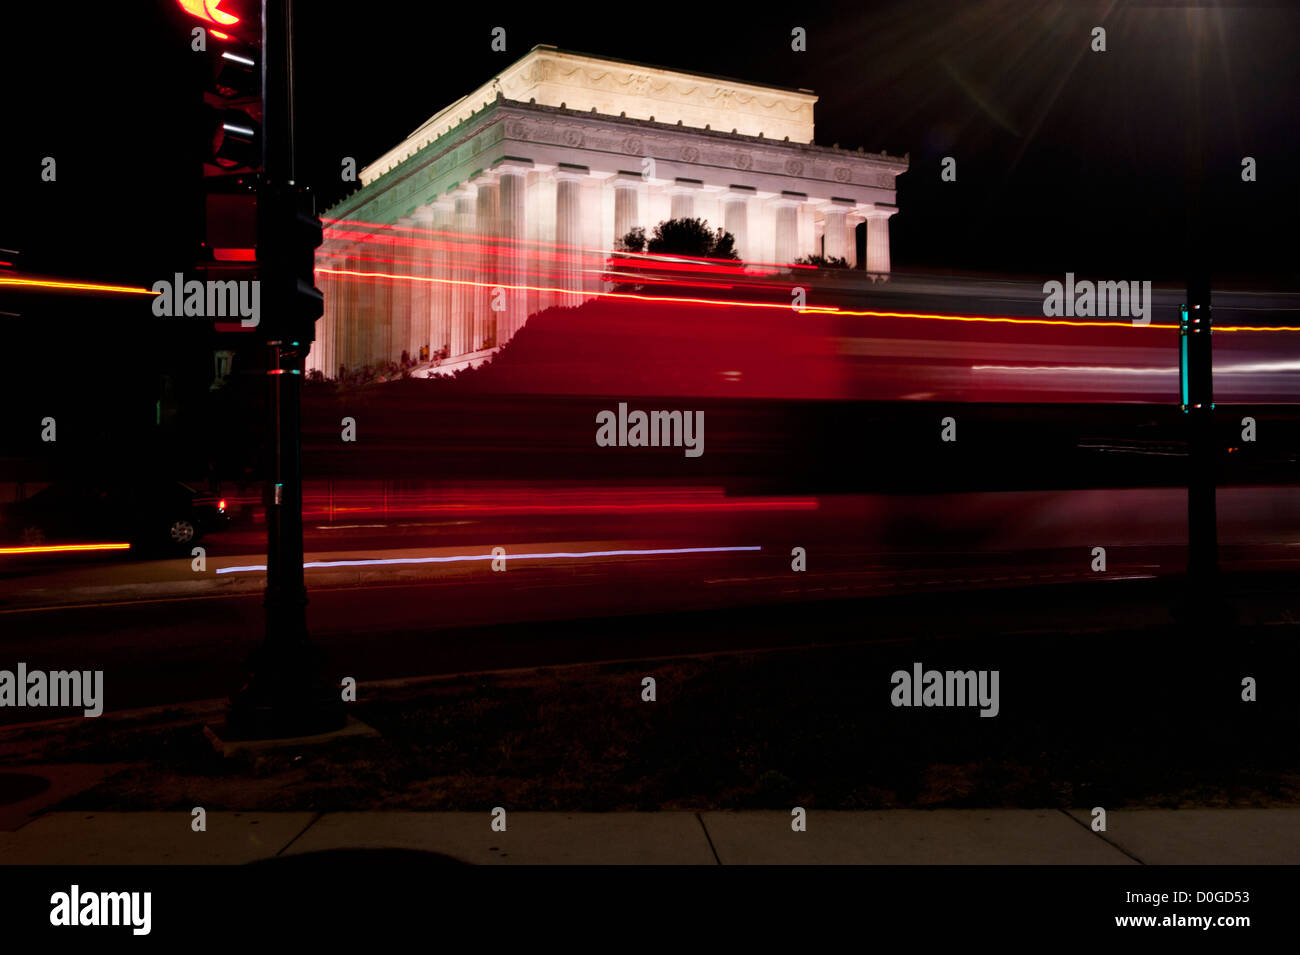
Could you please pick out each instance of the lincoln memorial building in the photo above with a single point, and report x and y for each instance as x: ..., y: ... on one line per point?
x: 511, y: 199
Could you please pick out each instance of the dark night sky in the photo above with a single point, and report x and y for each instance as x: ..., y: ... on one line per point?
x: 1066, y: 159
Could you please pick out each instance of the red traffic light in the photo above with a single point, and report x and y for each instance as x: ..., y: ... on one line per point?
x: 212, y: 13
x: 209, y: 10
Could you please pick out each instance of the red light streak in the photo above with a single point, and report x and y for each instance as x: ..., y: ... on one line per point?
x: 1257, y: 328
x: 369, y: 228
x: 469, y: 264
x: 465, y: 251
x: 565, y: 291
x: 61, y: 548
x: 724, y: 303
x: 76, y: 286
x: 397, y: 508
x: 399, y: 505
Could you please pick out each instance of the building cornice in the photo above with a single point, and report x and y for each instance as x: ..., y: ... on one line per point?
x: 504, y: 110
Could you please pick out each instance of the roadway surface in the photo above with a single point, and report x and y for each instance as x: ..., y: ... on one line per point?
x: 163, y: 632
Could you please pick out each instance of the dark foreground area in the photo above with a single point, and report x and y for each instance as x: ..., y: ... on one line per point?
x: 1148, y: 715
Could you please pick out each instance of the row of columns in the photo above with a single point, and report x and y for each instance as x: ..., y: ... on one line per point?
x: 478, y: 238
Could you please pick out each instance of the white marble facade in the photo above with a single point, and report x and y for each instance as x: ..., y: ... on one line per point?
x: 524, y: 186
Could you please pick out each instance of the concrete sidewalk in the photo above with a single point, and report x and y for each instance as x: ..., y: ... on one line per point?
x: 897, y: 837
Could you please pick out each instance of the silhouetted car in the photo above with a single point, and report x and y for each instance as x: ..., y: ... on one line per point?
x: 152, y: 516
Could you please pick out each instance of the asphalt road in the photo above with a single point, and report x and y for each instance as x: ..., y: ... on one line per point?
x: 163, y: 633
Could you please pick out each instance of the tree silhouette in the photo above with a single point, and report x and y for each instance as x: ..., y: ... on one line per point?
x: 822, y: 262
x: 691, y: 237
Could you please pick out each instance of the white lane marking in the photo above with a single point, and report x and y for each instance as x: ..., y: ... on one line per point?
x: 253, y: 568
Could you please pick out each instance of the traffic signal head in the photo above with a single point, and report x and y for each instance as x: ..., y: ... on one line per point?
x: 232, y: 95
x: 290, y: 233
x: 308, y: 303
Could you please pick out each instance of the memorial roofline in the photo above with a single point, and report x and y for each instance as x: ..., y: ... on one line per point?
x: 694, y: 74
x: 595, y: 80
x: 402, y: 167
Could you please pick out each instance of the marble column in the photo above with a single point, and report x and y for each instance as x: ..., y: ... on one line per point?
x: 540, y: 206
x: 317, y: 359
x: 683, y: 199
x: 626, y: 187
x: 403, y: 266
x: 325, y: 326
x: 486, y: 219
x: 735, y: 218
x: 851, y: 221
x: 512, y: 231
x: 349, y: 333
x: 441, y: 291
x: 787, y: 230
x: 331, y: 287
x: 365, y: 317
x: 464, y: 265
x: 421, y: 289
x: 346, y: 289
x: 568, y: 232
x: 878, y: 237
x: 835, y: 245
x: 381, y: 341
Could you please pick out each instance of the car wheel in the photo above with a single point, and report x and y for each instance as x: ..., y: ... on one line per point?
x: 182, y: 531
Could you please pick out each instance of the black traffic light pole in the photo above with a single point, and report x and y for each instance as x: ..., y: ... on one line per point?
x: 1196, y: 360
x: 1203, y: 604
x: 288, y: 693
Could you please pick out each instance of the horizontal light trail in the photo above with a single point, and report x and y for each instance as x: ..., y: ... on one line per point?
x: 354, y: 507
x: 76, y: 286
x: 728, y: 303
x: 534, y: 272
x: 337, y: 229
x: 1256, y: 367
x: 568, y: 291
x: 1251, y: 368
x: 470, y: 252
x: 1005, y: 319
x: 1086, y: 369
x: 61, y: 548
x: 1257, y: 328
x: 458, y: 558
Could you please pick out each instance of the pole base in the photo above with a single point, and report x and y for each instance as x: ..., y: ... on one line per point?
x: 285, y: 698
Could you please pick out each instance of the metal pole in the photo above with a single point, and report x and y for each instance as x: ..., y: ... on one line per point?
x: 287, y: 693
x: 1196, y: 358
x: 1203, y: 601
